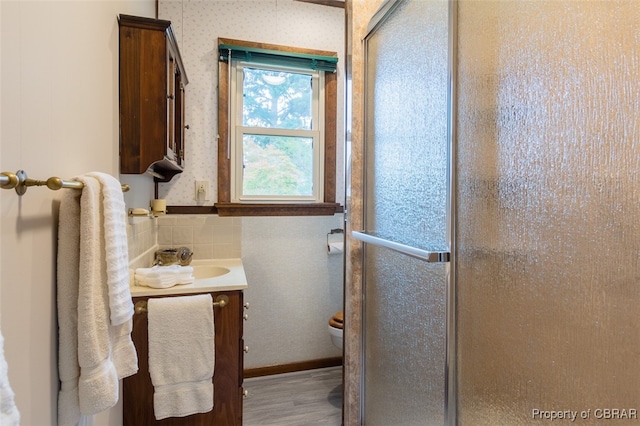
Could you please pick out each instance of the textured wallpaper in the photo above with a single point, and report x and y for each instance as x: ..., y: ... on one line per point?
x: 197, y: 25
x: 283, y: 257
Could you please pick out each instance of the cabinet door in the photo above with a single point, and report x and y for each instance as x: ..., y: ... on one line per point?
x: 227, y: 396
x: 172, y: 70
x: 175, y: 110
x: 179, y: 119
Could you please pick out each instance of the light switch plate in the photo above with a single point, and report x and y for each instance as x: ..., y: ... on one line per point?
x: 202, y: 190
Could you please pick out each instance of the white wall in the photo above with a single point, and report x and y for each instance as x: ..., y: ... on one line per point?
x: 294, y: 287
x: 59, y: 88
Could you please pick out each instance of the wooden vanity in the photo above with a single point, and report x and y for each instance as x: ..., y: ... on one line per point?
x: 227, y: 376
x: 229, y: 352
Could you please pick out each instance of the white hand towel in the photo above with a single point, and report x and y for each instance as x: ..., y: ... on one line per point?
x: 156, y: 276
x: 163, y: 282
x: 156, y: 271
x: 185, y: 279
x: 117, y: 254
x: 164, y: 276
x: 181, y: 354
x: 9, y: 414
x: 184, y: 275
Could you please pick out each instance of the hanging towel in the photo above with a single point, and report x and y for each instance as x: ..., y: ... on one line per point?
x: 93, y: 352
x: 9, y: 414
x: 181, y: 354
x: 98, y: 383
x: 117, y: 257
x: 114, y: 220
x: 67, y: 287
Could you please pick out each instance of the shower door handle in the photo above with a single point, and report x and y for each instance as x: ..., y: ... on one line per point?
x: 432, y: 256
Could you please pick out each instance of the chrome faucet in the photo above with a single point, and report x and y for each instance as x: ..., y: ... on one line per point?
x: 181, y: 256
x: 184, y: 256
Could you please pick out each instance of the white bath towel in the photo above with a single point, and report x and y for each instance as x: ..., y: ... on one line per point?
x: 181, y: 354
x: 98, y: 383
x: 93, y: 353
x: 116, y: 262
x: 9, y: 414
x: 67, y: 299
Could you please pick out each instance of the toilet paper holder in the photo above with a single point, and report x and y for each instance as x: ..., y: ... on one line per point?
x: 332, y: 232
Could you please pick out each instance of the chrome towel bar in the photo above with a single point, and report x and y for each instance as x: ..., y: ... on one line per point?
x: 221, y: 301
x: 433, y: 256
x: 21, y: 182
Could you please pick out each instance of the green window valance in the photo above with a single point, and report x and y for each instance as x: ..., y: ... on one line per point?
x: 277, y: 57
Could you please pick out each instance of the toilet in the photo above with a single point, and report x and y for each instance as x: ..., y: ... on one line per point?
x: 336, y: 325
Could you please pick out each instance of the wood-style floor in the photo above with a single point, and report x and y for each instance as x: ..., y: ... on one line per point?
x: 305, y: 398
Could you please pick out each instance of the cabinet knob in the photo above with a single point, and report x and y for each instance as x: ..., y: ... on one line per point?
x: 246, y: 349
x: 170, y: 96
x: 245, y: 393
x: 186, y: 127
x: 245, y: 317
x: 246, y: 305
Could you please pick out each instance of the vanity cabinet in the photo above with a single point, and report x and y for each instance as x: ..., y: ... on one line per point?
x: 227, y: 376
x: 152, y: 98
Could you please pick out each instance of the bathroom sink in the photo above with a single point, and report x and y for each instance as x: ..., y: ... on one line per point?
x: 209, y: 271
x: 210, y: 275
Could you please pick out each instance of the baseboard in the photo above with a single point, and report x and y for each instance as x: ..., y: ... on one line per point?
x: 293, y: 367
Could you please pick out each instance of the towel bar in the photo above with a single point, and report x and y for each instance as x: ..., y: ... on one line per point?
x: 21, y: 182
x: 221, y: 301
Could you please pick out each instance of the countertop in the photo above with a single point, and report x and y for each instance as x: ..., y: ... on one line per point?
x: 235, y: 279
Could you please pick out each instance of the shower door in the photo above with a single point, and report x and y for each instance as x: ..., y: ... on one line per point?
x: 406, y: 251
x: 548, y: 213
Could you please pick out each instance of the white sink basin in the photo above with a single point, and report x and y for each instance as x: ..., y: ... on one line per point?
x: 210, y: 275
x: 201, y: 272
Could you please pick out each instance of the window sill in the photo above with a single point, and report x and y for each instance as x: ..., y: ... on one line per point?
x: 245, y: 209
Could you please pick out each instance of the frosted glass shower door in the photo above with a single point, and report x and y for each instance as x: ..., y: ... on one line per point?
x: 406, y: 215
x: 548, y: 212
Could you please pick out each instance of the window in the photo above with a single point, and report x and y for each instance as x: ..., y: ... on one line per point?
x: 276, y: 133
x: 277, y: 130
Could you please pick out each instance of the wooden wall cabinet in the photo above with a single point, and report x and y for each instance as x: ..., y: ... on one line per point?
x: 227, y: 376
x: 152, y: 98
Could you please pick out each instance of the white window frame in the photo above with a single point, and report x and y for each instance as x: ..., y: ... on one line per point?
x: 237, y: 131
